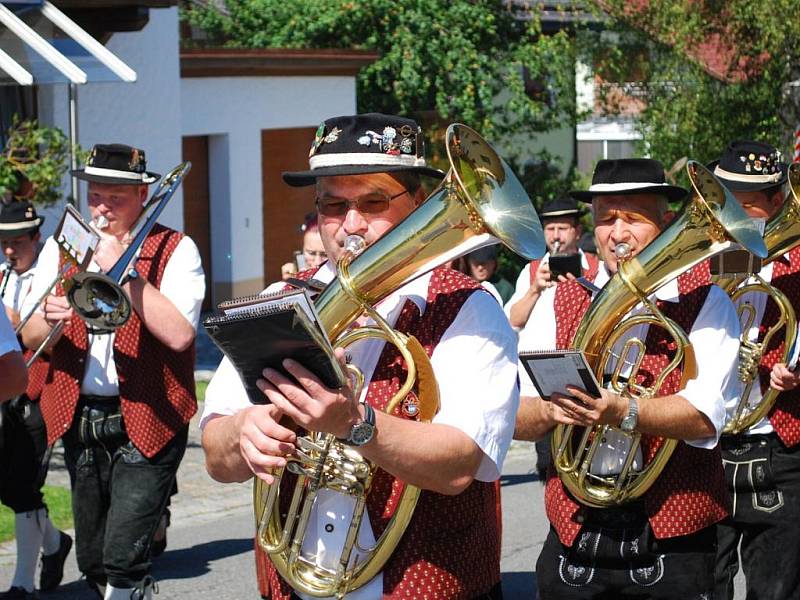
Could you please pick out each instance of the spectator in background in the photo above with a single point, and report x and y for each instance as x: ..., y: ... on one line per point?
x: 482, y: 266
x: 313, y: 251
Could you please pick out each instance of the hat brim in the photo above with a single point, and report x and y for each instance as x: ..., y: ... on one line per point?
x: 29, y: 227
x: 672, y: 192
x: 559, y: 213
x: 744, y: 186
x: 146, y: 180
x: 305, y: 178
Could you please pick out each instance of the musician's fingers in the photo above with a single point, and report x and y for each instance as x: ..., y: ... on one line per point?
x: 275, y: 396
x: 312, y: 385
x: 262, y: 465
x: 290, y: 390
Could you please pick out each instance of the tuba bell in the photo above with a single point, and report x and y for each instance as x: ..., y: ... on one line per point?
x: 713, y: 221
x: 781, y: 235
x: 479, y: 202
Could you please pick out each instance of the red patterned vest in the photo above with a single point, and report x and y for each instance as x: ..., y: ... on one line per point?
x: 451, y: 549
x: 156, y: 384
x: 690, y: 494
x: 591, y: 259
x: 785, y: 414
x: 37, y: 372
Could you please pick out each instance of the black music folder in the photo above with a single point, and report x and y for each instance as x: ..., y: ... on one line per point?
x: 553, y: 370
x: 261, y: 331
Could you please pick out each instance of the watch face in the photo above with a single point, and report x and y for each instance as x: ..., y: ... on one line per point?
x: 361, y: 433
x: 628, y: 423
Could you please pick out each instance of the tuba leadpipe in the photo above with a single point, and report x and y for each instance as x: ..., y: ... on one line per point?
x: 480, y: 201
x: 712, y: 222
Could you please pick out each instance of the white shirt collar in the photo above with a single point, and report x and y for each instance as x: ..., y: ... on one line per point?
x: 668, y: 292
x: 416, y: 291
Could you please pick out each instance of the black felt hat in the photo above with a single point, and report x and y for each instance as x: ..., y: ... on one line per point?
x: 629, y: 176
x: 747, y: 166
x: 18, y: 218
x: 560, y: 207
x: 359, y: 144
x: 116, y: 164
x: 482, y: 255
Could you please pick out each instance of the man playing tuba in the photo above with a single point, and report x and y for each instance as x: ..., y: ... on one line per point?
x: 761, y: 463
x: 661, y: 545
x: 366, y: 184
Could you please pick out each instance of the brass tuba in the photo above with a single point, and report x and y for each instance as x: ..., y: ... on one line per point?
x: 480, y: 201
x: 712, y: 221
x: 781, y: 235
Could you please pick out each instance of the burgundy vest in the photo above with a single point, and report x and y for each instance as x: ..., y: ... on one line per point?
x: 785, y: 414
x: 156, y: 384
x: 451, y: 548
x: 690, y: 493
x: 591, y: 259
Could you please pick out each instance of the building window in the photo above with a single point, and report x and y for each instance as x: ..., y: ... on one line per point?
x: 15, y: 100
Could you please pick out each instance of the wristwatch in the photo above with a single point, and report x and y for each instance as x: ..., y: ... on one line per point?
x: 631, y: 420
x: 362, y: 432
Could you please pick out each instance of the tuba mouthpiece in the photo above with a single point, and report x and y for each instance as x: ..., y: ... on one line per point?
x: 100, y: 222
x: 354, y: 244
x: 622, y: 251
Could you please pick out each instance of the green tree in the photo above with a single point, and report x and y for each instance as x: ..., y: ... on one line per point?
x: 708, y: 71
x: 478, y: 62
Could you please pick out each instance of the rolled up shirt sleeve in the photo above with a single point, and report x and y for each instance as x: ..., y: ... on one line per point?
x: 476, y: 368
x: 715, y: 340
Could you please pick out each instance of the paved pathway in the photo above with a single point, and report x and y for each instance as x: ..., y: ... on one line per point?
x: 210, y: 541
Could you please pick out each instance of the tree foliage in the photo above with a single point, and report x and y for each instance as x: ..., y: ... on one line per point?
x: 710, y: 71
x: 475, y: 62
x: 39, y: 154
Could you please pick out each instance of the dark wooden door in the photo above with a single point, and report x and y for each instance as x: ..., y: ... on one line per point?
x: 284, y: 207
x: 196, y: 205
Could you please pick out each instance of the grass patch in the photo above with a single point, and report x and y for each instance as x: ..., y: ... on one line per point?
x: 59, y: 504
x: 200, y: 387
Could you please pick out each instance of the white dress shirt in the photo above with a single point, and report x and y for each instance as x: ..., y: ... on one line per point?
x: 528, y: 338
x: 18, y: 287
x: 8, y: 341
x: 183, y: 283
x: 714, y: 337
x: 476, y: 369
x: 759, y: 302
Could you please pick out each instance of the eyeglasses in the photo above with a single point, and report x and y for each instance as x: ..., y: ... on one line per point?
x: 315, y: 253
x: 368, y: 204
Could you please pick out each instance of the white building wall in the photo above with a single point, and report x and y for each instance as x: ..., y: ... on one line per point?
x: 144, y: 114
x: 234, y: 111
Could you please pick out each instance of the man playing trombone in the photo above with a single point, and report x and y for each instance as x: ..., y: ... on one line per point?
x: 662, y: 544
x: 23, y: 465
x: 121, y: 400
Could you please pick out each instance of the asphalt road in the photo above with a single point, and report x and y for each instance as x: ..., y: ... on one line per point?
x: 210, y: 551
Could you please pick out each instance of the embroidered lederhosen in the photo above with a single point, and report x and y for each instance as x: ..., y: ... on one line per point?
x: 451, y: 548
x: 156, y: 384
x: 690, y: 494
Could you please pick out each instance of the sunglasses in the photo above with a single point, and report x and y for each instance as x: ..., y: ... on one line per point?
x: 368, y: 204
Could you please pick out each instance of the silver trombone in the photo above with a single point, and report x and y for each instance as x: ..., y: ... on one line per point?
x: 98, y: 298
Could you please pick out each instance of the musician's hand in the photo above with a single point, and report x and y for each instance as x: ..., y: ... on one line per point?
x: 585, y: 410
x: 55, y: 309
x: 309, y: 403
x: 108, y: 251
x: 263, y: 443
x: 542, y: 279
x: 783, y: 379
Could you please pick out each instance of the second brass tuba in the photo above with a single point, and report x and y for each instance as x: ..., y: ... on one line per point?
x: 479, y: 202
x: 781, y: 235
x: 712, y: 222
